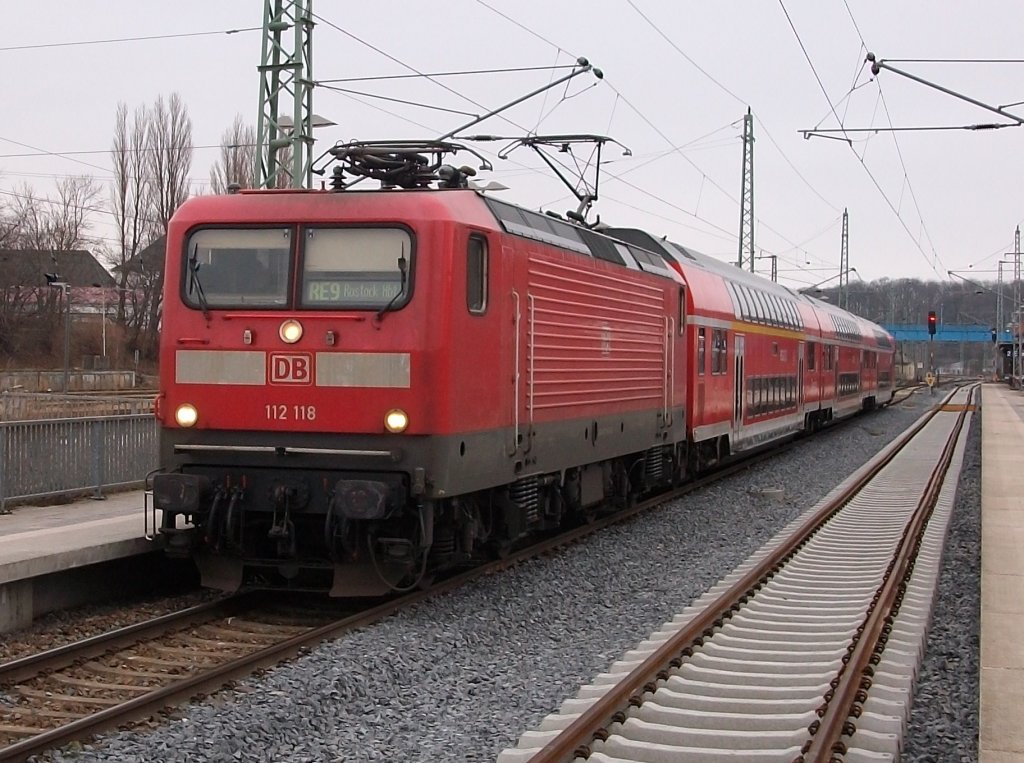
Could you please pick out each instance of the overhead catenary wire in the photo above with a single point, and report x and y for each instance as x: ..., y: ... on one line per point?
x: 620, y: 96
x: 810, y: 63
x: 141, y: 38
x: 930, y: 260
x: 461, y: 72
x: 411, y: 68
x: 659, y: 30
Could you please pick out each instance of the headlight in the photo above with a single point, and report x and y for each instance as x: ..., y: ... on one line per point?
x: 396, y: 420
x: 186, y: 415
x: 290, y: 331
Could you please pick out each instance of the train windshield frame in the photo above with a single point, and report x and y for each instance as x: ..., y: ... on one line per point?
x: 238, y: 268
x: 341, y: 268
x: 356, y: 268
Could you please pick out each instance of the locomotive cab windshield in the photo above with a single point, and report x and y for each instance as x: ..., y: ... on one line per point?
x: 342, y: 268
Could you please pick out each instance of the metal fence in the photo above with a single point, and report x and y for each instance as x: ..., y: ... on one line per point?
x: 59, y: 457
x: 28, y: 406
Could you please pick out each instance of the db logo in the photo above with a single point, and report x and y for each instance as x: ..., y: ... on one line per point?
x: 294, y: 368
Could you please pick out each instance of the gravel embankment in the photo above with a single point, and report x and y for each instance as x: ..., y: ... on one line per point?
x: 944, y: 722
x: 459, y: 677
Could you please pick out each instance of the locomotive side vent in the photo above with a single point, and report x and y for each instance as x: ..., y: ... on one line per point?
x: 656, y: 460
x: 525, y: 494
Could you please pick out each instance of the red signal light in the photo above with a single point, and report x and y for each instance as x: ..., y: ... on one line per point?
x: 932, y: 321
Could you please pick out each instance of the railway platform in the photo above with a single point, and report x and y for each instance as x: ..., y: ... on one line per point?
x: 1001, y: 723
x: 52, y: 557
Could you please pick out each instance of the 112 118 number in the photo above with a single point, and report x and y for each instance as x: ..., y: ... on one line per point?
x: 280, y: 412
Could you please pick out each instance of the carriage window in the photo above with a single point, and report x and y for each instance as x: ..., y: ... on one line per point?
x: 237, y: 268
x: 812, y: 350
x: 701, y: 350
x: 369, y: 268
x: 719, y: 349
x: 476, y: 275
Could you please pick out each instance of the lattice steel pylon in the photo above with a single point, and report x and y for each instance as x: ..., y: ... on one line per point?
x: 844, y: 265
x: 286, y: 66
x: 746, y: 255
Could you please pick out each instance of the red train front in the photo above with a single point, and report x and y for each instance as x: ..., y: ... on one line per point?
x: 360, y: 387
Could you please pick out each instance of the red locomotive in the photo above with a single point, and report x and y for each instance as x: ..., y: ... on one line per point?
x: 359, y: 388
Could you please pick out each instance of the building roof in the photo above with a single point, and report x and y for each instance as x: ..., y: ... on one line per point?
x: 28, y: 267
x: 148, y: 260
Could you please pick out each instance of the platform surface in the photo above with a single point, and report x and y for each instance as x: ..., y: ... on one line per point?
x: 38, y: 540
x: 1002, y: 575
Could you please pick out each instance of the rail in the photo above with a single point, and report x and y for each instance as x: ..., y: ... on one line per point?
x: 581, y: 732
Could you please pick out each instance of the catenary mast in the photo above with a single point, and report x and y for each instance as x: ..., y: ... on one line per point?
x: 746, y: 254
x: 286, y: 66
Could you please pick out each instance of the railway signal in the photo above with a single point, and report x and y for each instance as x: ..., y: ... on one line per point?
x: 931, y: 322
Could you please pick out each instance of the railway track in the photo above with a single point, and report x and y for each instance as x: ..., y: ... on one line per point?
x: 69, y: 692
x: 808, y: 651
x: 75, y: 691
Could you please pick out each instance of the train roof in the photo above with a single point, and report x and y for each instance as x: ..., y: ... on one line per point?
x: 745, y: 295
x: 716, y: 286
x: 464, y: 205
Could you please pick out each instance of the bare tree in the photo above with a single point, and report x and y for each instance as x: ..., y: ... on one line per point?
x: 8, y: 224
x: 68, y: 222
x: 283, y: 176
x: 237, y: 162
x: 60, y: 223
x: 168, y: 157
x: 129, y: 196
x: 168, y: 160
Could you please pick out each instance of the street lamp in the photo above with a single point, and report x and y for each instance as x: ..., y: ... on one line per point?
x: 103, y: 309
x: 53, y: 280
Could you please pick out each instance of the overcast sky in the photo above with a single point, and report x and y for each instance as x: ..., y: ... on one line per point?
x: 957, y: 193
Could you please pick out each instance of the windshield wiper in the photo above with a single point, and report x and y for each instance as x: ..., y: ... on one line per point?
x: 401, y: 285
x: 194, y: 284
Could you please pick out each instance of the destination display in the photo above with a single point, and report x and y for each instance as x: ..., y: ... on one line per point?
x: 334, y: 291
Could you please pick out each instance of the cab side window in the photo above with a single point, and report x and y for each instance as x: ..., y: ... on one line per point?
x: 476, y: 275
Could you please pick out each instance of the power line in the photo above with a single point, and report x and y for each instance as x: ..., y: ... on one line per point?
x: 43, y: 152
x: 394, y: 100
x: 899, y: 151
x: 860, y: 159
x: 792, y: 166
x: 69, y: 154
x: 810, y: 62
x: 129, y: 39
x: 957, y: 60
x: 680, y: 51
x: 99, y: 210
x: 639, y: 113
x: 506, y: 70
x: 401, y: 63
x: 737, y: 98
x: 525, y: 28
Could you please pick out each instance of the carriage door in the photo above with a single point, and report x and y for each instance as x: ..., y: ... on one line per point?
x: 516, y: 351
x: 738, y: 384
x: 800, y: 377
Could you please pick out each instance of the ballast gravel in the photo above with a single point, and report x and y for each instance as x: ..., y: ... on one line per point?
x: 461, y: 676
